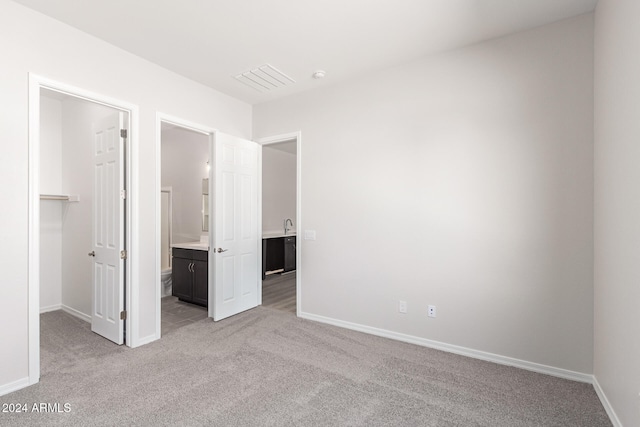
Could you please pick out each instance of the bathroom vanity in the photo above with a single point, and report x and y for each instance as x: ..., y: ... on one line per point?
x: 190, y: 273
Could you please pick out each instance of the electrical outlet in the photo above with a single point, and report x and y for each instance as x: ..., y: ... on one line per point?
x: 431, y: 311
x: 402, y: 306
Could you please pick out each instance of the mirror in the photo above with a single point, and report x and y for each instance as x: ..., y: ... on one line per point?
x: 205, y: 204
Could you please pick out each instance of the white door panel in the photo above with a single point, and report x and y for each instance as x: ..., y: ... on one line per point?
x: 236, y: 283
x: 108, y: 229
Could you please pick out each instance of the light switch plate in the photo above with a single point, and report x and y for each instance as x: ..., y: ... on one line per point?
x: 309, y: 234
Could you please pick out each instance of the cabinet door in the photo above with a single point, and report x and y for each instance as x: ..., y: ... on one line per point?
x: 181, y: 277
x: 289, y: 253
x: 275, y: 254
x: 200, y: 282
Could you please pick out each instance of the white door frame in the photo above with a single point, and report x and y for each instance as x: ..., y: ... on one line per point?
x: 36, y: 83
x: 297, y: 136
x: 205, y: 130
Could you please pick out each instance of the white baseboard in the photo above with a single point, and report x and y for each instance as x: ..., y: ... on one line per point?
x: 605, y: 402
x: 50, y: 308
x: 463, y: 351
x: 14, y: 386
x: 76, y: 313
x: 144, y: 340
x: 67, y: 309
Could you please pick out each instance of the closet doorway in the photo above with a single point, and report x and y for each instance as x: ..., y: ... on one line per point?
x: 82, y: 211
x: 79, y: 214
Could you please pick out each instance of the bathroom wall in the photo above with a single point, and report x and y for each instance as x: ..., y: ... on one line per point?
x: 278, y: 188
x: 184, y: 166
x: 51, y: 211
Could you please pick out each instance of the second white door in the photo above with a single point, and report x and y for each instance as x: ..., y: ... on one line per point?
x: 236, y: 235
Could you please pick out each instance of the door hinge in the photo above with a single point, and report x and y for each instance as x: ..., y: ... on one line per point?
x: 123, y: 194
x: 123, y: 315
x: 123, y: 254
x: 123, y: 133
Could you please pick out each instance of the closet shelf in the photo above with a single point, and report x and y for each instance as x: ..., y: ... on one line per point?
x: 62, y: 197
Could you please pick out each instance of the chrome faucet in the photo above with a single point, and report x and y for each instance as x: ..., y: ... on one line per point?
x: 288, y: 220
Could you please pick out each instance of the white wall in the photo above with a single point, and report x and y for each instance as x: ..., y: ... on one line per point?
x: 184, y: 166
x: 617, y: 206
x: 462, y: 180
x: 278, y: 188
x: 31, y: 42
x: 51, y: 211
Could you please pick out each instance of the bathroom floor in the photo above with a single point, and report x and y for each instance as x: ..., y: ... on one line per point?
x: 278, y: 291
x: 176, y: 314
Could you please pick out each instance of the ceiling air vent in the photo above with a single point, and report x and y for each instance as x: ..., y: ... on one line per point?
x: 265, y: 78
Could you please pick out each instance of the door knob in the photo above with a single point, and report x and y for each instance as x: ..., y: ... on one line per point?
x: 92, y: 253
x: 221, y: 250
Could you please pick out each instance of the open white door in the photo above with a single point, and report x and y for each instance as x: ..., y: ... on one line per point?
x: 236, y: 237
x: 108, y: 229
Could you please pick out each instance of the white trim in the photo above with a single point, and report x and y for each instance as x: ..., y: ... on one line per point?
x: 34, y: 230
x: 212, y: 228
x: 260, y: 259
x: 133, y: 231
x: 613, y: 417
x: 273, y: 140
x: 76, y: 313
x: 195, y: 127
x: 146, y: 340
x: 450, y: 348
x: 50, y: 308
x: 211, y: 291
x: 14, y: 386
x: 66, y: 309
x: 169, y: 191
x: 36, y: 83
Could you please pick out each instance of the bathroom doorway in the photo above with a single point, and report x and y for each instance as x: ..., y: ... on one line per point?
x: 281, y: 222
x: 184, y: 220
x: 226, y: 278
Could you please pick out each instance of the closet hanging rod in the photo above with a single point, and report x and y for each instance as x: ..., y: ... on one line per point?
x: 62, y: 197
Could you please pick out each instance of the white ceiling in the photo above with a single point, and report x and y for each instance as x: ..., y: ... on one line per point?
x: 211, y: 41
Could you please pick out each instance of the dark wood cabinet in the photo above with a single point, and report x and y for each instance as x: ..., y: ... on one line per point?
x: 278, y: 254
x: 273, y: 254
x: 190, y: 278
x: 289, y: 253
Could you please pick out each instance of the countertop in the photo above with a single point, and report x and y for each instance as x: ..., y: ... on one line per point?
x: 200, y: 246
x: 274, y: 234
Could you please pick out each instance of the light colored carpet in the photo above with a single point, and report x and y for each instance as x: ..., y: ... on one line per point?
x: 265, y: 367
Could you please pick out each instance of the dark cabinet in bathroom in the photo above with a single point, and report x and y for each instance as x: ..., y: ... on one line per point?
x: 190, y: 275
